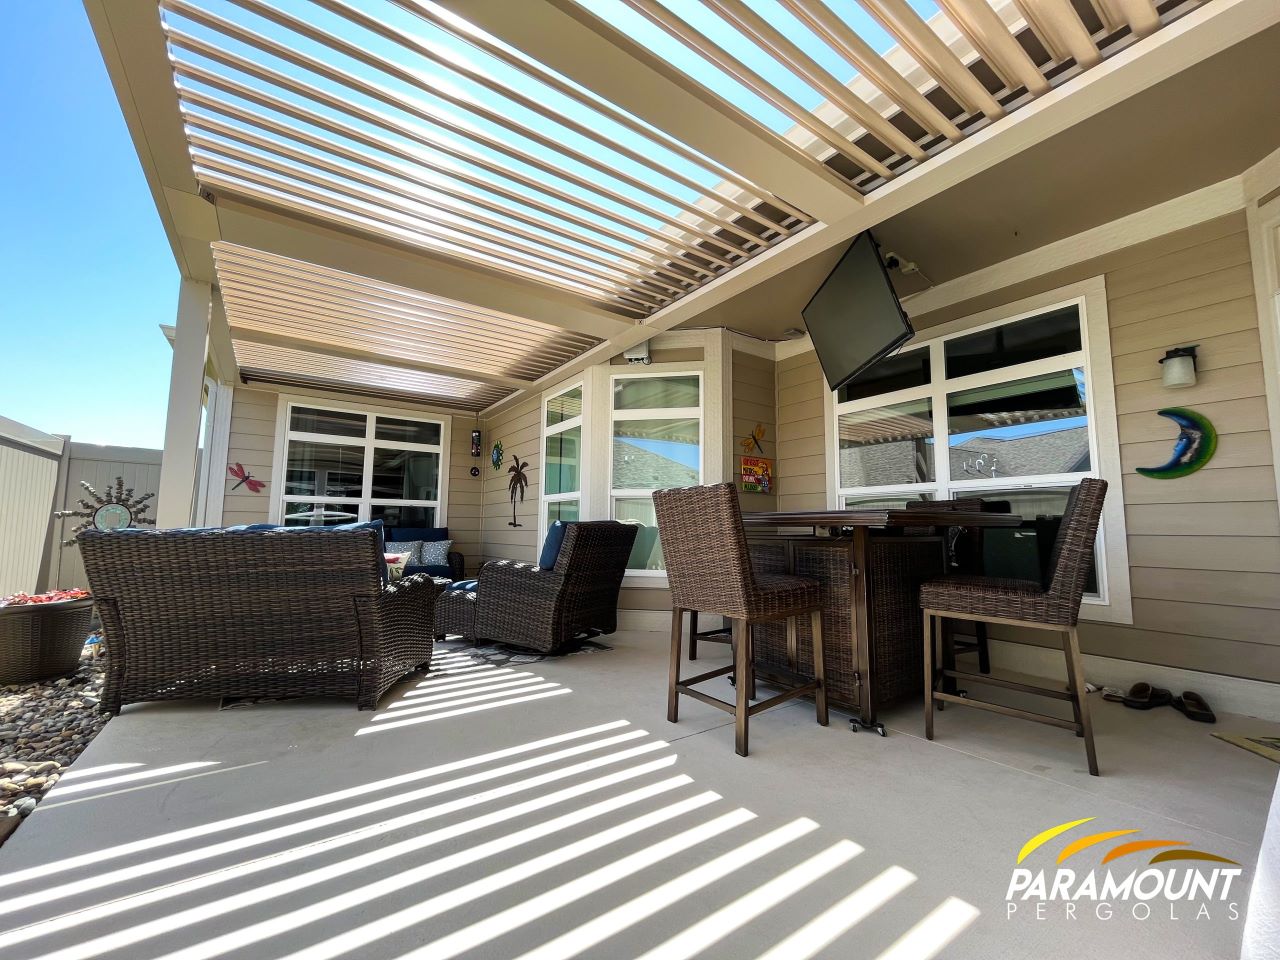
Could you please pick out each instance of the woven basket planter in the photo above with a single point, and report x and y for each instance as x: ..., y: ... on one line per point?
x: 43, y: 640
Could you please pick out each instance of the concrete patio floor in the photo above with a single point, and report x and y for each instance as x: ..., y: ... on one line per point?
x: 550, y: 811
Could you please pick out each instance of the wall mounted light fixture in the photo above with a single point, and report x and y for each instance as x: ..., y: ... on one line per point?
x: 1178, y: 367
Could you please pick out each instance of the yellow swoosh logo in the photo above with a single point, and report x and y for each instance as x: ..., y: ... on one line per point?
x: 1040, y: 839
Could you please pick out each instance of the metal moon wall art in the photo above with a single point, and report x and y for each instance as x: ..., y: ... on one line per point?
x: 1195, y: 446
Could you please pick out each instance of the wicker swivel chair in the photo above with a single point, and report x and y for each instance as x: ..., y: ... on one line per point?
x: 1054, y: 605
x: 709, y: 570
x: 547, y: 610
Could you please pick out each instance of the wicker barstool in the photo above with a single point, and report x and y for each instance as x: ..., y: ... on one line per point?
x: 709, y: 571
x: 964, y: 555
x: 1024, y: 603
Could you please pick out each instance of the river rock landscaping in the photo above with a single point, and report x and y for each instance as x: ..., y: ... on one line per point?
x: 44, y: 726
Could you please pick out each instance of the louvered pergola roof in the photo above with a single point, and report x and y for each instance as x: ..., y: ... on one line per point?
x: 274, y: 301
x: 397, y: 118
x: 267, y: 363
x: 568, y: 178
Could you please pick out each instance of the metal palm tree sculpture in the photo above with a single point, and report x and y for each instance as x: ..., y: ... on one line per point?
x: 518, y: 483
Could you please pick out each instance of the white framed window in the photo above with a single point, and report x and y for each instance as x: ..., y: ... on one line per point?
x: 1013, y: 405
x: 338, y: 463
x: 656, y: 441
x: 562, y: 460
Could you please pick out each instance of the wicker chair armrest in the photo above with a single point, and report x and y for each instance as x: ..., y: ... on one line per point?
x: 410, y: 602
x: 510, y: 577
x: 415, y: 588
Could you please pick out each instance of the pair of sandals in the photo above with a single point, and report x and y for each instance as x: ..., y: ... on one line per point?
x: 1143, y: 696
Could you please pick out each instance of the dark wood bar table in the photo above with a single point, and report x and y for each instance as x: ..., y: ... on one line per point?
x: 870, y: 563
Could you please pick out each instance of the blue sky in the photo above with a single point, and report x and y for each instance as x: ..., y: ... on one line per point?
x: 86, y: 274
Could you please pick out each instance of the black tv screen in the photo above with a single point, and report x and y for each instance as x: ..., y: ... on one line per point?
x: 855, y: 319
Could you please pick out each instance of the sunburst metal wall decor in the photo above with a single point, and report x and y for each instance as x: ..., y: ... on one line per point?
x: 116, y: 509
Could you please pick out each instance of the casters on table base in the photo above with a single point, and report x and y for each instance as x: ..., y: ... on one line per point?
x: 857, y: 723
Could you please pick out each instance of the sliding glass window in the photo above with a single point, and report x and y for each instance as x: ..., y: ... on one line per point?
x: 562, y: 457
x: 1001, y: 413
x: 347, y: 465
x: 656, y: 443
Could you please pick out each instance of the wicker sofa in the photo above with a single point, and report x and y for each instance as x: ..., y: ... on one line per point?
x: 254, y: 613
x: 546, y: 609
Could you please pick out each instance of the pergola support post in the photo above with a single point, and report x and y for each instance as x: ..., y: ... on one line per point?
x: 176, y: 497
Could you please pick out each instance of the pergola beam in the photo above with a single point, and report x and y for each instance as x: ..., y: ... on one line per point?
x: 563, y: 36
x: 175, y: 497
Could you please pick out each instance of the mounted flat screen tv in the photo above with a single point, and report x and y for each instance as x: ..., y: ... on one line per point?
x: 855, y: 319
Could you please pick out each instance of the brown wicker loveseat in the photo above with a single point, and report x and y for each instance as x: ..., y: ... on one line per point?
x: 254, y: 613
x: 545, y: 610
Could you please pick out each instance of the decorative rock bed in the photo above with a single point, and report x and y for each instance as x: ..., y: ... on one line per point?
x: 44, y: 726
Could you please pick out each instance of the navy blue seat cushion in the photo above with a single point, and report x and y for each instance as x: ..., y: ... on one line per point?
x: 397, y: 534
x: 551, y: 546
x: 467, y: 585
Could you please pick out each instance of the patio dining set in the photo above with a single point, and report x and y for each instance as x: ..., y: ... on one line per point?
x: 854, y: 608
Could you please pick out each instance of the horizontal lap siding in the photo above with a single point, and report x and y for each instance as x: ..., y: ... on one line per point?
x: 802, y: 469
x: 519, y: 431
x: 252, y: 443
x: 1204, y: 550
x: 464, y: 510
x: 754, y: 402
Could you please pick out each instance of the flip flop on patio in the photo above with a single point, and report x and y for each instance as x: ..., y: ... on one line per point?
x: 1142, y: 696
x: 1194, y: 707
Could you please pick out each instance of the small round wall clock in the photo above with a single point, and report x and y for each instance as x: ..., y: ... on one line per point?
x: 495, y: 455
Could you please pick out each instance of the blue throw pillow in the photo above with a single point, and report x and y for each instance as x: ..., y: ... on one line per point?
x: 551, y: 548
x: 434, y: 553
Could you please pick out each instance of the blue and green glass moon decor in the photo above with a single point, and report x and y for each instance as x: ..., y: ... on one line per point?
x: 1195, y: 446
x: 495, y: 455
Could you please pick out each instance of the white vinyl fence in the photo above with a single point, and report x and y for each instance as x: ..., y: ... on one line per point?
x: 98, y: 466
x: 39, y: 474
x: 29, y: 462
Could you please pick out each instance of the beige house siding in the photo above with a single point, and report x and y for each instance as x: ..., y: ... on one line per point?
x: 754, y: 402
x: 519, y: 430
x: 464, y: 510
x: 1204, y: 550
x: 801, y: 431
x: 252, y: 443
